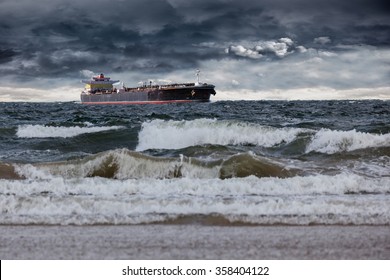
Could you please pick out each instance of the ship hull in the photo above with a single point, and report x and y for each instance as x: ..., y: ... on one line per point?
x: 152, y: 96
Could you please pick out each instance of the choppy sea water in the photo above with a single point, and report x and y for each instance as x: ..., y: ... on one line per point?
x: 241, y: 162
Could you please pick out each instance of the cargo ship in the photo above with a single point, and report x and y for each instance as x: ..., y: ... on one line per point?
x: 101, y: 90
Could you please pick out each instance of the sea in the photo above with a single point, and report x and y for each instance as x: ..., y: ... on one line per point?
x: 223, y: 163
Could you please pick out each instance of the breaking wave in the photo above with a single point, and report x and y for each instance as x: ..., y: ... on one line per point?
x: 125, y: 164
x: 320, y: 199
x: 330, y: 141
x: 160, y: 134
x: 43, y: 131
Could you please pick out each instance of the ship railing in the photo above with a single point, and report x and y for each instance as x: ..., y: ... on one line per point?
x: 161, y: 86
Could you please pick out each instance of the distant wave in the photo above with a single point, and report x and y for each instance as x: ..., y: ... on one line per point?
x: 330, y: 141
x: 160, y: 134
x: 43, y: 131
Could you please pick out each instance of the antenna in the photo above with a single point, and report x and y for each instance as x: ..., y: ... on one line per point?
x: 197, y: 75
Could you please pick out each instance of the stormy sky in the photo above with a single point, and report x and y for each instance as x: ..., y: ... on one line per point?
x: 264, y: 49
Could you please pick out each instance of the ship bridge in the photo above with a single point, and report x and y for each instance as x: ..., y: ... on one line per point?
x: 99, y: 83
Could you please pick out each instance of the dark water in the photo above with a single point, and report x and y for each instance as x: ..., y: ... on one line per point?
x: 257, y: 162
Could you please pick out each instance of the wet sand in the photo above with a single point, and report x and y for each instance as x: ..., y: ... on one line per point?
x: 194, y: 242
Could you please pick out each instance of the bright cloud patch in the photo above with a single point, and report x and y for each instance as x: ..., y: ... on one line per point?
x: 279, y: 48
x: 244, y: 52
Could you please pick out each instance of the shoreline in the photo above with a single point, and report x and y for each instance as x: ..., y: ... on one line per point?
x: 193, y: 241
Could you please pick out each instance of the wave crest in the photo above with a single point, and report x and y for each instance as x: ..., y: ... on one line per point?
x: 43, y: 131
x: 160, y: 134
x: 124, y: 164
x: 331, y: 141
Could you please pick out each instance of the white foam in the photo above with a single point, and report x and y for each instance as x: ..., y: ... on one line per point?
x: 160, y: 134
x: 43, y: 131
x: 297, y: 200
x: 334, y: 141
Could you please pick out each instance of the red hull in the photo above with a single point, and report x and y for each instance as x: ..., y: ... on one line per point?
x: 142, y: 102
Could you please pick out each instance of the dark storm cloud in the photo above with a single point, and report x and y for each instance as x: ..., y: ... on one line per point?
x: 54, y: 38
x: 6, y: 55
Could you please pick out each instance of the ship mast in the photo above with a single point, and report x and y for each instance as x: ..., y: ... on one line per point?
x: 197, y: 75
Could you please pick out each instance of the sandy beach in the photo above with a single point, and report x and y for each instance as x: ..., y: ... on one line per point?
x: 194, y: 242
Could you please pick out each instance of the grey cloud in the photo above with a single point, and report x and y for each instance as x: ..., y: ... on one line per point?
x: 322, y: 40
x: 6, y: 55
